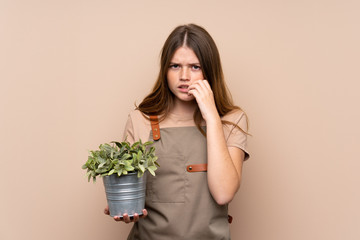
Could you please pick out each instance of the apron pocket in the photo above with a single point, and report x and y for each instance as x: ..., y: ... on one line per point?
x: 168, y: 186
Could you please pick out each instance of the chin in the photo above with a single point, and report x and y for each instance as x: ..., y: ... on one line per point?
x: 184, y: 98
x: 189, y: 102
x: 187, y: 99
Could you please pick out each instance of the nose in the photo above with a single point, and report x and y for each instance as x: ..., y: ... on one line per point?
x: 185, y: 74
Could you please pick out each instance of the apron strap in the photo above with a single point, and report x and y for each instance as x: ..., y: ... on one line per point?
x: 197, y: 167
x: 155, y: 127
x: 230, y: 218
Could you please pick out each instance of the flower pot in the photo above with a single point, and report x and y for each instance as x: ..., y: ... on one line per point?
x: 125, y: 194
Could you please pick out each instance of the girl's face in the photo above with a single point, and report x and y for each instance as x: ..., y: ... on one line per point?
x: 184, y: 69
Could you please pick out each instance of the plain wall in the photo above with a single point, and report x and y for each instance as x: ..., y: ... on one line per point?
x: 71, y: 71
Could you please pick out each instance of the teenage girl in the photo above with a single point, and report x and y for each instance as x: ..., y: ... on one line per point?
x: 200, y: 139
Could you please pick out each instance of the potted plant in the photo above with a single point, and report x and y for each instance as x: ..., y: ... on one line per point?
x: 122, y: 167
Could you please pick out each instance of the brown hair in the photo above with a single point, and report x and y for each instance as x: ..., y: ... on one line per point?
x: 160, y: 100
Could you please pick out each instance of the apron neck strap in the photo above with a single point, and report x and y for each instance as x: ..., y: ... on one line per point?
x: 155, y: 127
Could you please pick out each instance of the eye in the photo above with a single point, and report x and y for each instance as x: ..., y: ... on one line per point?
x: 174, y: 66
x: 196, y: 67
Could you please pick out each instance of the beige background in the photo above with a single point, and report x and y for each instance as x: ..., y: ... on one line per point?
x: 71, y: 71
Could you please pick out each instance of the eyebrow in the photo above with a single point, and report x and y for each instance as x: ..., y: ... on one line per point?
x: 187, y: 64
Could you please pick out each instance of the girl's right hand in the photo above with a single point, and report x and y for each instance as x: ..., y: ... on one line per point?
x: 125, y: 218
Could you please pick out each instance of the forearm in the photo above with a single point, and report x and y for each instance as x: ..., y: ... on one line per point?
x: 223, y: 177
x: 224, y: 167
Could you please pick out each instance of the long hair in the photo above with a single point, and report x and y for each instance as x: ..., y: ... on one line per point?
x: 160, y: 100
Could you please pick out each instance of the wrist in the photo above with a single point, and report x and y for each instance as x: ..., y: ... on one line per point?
x: 213, y: 120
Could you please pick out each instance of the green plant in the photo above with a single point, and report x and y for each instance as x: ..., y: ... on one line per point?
x: 121, y: 158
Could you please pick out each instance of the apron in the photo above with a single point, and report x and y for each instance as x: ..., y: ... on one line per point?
x: 178, y: 200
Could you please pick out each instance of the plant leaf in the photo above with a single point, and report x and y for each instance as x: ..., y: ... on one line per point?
x: 135, y: 145
x: 141, y: 168
x: 151, y: 171
x: 139, y: 155
x: 126, y: 156
x: 111, y: 172
x: 129, y: 168
x: 117, y: 144
x: 148, y: 143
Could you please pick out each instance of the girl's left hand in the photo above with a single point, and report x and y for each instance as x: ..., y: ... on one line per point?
x: 204, y: 96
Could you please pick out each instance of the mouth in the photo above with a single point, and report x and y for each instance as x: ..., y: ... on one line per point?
x: 183, y: 88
